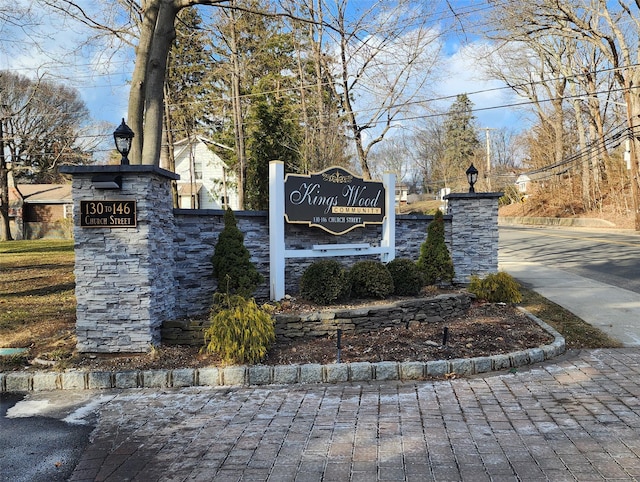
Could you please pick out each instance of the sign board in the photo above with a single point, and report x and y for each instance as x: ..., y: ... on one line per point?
x: 334, y: 200
x: 108, y: 214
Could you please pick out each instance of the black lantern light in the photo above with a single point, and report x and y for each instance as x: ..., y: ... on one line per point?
x: 472, y: 177
x: 123, y: 136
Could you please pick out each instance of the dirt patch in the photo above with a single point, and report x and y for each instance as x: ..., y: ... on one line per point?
x: 486, y: 329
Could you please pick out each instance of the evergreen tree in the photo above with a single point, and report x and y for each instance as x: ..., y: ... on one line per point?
x: 460, y: 141
x: 232, y: 265
x: 250, y: 58
x: 188, y: 81
x: 274, y: 136
x: 435, y: 261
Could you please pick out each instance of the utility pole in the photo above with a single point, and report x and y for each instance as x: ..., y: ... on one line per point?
x: 487, y: 172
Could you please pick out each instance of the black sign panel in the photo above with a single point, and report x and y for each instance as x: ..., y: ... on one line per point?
x: 108, y: 214
x: 334, y: 200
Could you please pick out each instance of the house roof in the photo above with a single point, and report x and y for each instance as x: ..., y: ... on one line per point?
x: 183, y: 144
x: 45, y: 193
x: 188, y: 189
x: 202, y: 139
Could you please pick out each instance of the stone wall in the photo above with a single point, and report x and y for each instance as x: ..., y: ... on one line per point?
x: 125, y: 284
x: 474, y: 245
x: 129, y: 280
x: 196, y: 234
x: 327, y: 322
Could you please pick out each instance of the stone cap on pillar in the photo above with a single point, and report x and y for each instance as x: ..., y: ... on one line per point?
x: 119, y: 169
x: 474, y: 195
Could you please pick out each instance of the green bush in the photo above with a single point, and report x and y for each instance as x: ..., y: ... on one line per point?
x: 240, y: 331
x: 324, y: 282
x: 407, y: 279
x: 435, y: 262
x: 370, y: 279
x: 496, y: 288
x: 231, y: 260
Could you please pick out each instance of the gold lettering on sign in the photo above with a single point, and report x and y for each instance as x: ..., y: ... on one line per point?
x: 103, y: 213
x: 355, y: 210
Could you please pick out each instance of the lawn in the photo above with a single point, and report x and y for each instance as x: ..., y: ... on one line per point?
x: 37, y: 302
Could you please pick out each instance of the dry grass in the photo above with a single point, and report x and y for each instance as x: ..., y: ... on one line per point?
x: 37, y: 302
x: 420, y: 207
x: 576, y: 332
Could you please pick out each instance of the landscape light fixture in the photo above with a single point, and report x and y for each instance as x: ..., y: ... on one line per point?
x: 106, y: 181
x: 472, y: 177
x: 123, y: 136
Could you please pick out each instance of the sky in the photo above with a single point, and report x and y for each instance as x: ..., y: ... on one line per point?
x: 100, y: 73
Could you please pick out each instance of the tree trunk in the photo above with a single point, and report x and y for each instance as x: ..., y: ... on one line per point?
x: 238, y: 118
x: 137, y: 92
x: 163, y: 37
x: 5, y: 228
x: 633, y: 112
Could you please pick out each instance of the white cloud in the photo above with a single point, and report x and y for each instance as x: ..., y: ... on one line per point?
x: 465, y: 75
x: 57, y: 50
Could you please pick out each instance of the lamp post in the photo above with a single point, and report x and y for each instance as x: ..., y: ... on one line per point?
x: 123, y: 136
x: 472, y: 177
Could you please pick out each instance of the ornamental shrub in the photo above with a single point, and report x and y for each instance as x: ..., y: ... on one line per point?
x: 370, y: 279
x: 231, y: 260
x: 435, y: 262
x: 240, y: 331
x: 324, y: 282
x: 496, y: 288
x: 407, y: 279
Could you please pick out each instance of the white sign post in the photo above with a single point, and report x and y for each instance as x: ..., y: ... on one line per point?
x: 277, y: 248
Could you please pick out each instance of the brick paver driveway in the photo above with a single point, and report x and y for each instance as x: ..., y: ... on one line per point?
x: 575, y: 418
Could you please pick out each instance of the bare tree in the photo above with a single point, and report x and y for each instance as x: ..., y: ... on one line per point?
x: 612, y: 28
x: 387, y: 56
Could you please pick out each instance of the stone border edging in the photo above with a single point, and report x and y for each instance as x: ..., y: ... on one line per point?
x: 282, y: 374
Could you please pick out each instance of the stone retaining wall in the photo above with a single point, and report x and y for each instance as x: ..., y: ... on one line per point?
x: 281, y: 374
x: 196, y: 234
x: 370, y: 318
x: 327, y: 322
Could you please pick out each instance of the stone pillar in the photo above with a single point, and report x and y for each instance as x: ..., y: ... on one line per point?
x: 125, y: 284
x: 474, y: 234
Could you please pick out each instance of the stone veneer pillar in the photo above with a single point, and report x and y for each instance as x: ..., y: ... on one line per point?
x: 474, y: 233
x: 125, y: 283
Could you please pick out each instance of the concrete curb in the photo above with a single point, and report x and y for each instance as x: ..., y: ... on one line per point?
x: 566, y: 222
x: 282, y: 374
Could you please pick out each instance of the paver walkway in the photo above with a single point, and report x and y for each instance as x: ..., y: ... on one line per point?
x: 577, y: 418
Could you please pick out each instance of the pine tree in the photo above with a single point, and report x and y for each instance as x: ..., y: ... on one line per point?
x: 274, y: 136
x: 232, y: 265
x: 188, y: 79
x: 435, y: 262
x: 460, y: 140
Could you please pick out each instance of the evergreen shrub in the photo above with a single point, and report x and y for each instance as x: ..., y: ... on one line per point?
x: 231, y: 260
x: 435, y: 262
x: 370, y: 279
x: 407, y: 279
x: 324, y: 282
x: 496, y: 288
x: 240, y: 331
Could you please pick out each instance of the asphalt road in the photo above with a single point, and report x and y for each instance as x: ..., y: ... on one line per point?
x: 42, y: 440
x: 607, y: 256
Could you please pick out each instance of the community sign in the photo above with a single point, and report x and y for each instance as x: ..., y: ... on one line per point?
x: 334, y: 200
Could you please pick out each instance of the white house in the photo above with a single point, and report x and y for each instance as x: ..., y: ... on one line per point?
x: 523, y: 182
x: 402, y: 192
x: 205, y: 180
